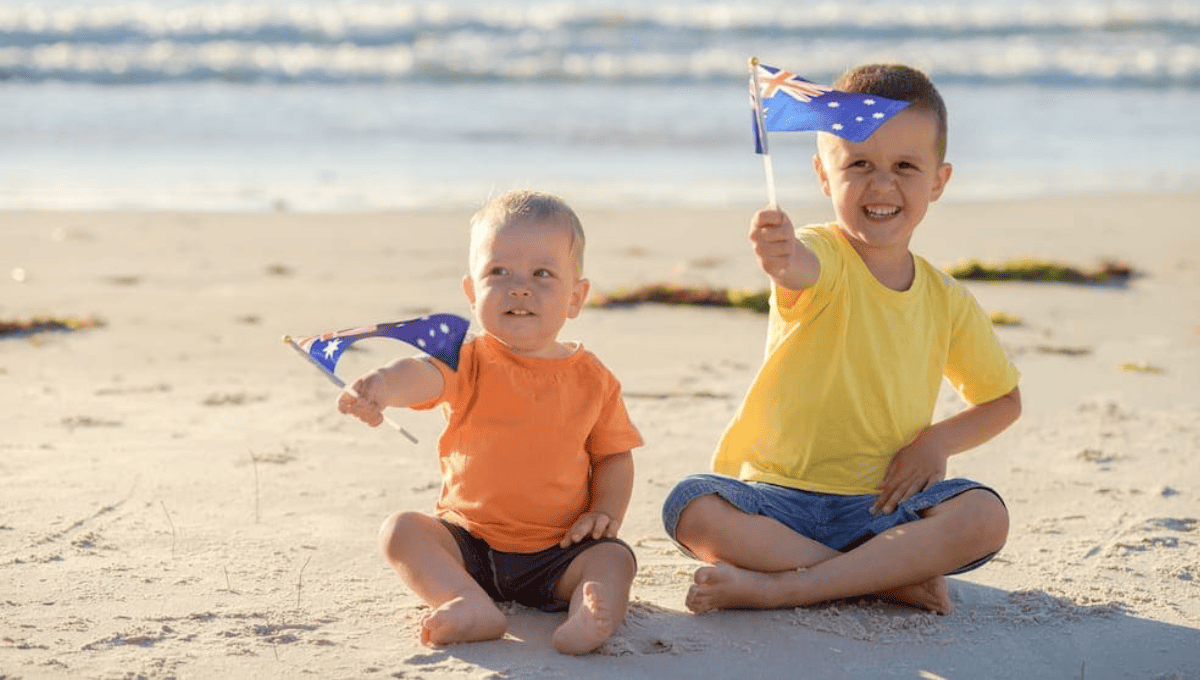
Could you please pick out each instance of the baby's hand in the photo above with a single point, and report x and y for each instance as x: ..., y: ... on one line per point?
x: 593, y: 524
x: 364, y: 402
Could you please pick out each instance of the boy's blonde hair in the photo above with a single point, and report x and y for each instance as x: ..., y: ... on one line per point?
x: 903, y: 83
x: 531, y: 204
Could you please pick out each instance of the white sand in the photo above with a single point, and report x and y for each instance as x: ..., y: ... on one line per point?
x: 178, y: 497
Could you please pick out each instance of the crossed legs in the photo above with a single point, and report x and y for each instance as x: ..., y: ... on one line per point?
x: 758, y: 563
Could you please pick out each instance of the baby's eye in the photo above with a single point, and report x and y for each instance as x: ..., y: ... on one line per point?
x: 497, y: 271
x: 543, y: 273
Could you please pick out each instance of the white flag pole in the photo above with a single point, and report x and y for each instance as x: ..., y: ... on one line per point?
x: 342, y: 384
x: 768, y: 168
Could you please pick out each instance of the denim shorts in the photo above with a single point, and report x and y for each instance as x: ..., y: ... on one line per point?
x: 839, y: 522
x: 524, y: 578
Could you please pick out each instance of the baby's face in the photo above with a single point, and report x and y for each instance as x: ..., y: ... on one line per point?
x: 882, y: 187
x: 523, y: 285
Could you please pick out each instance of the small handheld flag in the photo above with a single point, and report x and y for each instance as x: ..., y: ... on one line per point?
x: 438, y: 335
x: 785, y: 102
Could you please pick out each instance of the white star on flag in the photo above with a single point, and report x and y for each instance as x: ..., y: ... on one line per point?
x: 331, y: 347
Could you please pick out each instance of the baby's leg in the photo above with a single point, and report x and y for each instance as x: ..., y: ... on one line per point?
x: 597, y: 584
x: 427, y: 558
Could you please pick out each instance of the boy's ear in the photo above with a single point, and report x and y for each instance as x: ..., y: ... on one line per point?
x: 579, y: 295
x: 819, y: 168
x: 942, y: 177
x: 468, y: 285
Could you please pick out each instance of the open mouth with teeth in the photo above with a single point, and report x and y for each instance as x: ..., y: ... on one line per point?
x: 519, y: 312
x: 881, y: 212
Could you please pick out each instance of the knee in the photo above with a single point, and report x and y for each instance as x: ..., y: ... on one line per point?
x: 399, y: 532
x: 987, y: 522
x: 698, y: 519
x: 617, y: 558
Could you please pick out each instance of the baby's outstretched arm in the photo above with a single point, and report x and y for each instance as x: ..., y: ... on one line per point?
x: 922, y: 462
x: 780, y: 254
x: 401, y: 384
x: 612, y: 486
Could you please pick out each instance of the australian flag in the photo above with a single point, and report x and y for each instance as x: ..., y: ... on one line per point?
x: 438, y: 335
x: 791, y: 103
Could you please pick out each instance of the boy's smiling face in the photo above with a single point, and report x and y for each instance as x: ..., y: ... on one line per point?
x: 881, y: 187
x: 524, y: 285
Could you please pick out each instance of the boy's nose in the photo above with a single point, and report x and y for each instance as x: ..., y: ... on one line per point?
x: 519, y: 289
x: 882, y: 178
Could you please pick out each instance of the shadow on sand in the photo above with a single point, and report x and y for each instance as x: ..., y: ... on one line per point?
x: 1024, y: 635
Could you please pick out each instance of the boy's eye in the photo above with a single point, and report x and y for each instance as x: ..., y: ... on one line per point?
x: 543, y: 273
x: 497, y: 271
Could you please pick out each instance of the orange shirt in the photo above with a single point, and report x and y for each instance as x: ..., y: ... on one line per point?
x: 520, y: 439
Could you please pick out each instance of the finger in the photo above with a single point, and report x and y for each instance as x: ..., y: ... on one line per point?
x: 346, y: 402
x: 887, y: 488
x: 766, y: 218
x: 600, y: 527
x: 775, y: 236
x: 908, y: 491
x: 887, y: 500
x: 577, y: 533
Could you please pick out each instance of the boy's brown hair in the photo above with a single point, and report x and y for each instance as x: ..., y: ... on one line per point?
x: 903, y: 83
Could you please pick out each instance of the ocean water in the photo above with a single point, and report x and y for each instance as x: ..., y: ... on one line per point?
x: 350, y: 105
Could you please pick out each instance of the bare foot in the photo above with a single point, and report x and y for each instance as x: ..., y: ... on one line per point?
x: 589, y: 624
x: 724, y: 586
x: 463, y: 620
x: 933, y: 595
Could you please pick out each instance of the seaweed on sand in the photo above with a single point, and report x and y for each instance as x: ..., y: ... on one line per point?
x: 1042, y: 270
x: 41, y: 324
x: 674, y: 294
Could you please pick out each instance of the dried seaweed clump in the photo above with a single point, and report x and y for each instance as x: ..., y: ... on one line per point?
x: 1041, y: 270
x: 1005, y: 319
x: 39, y: 324
x: 697, y: 296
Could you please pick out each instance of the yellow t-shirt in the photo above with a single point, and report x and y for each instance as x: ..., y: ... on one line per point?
x: 852, y: 373
x: 521, y: 436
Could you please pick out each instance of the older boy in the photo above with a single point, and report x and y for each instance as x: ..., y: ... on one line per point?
x: 830, y: 479
x: 536, y: 464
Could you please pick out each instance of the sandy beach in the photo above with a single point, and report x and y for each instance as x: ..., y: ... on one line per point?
x: 179, y: 497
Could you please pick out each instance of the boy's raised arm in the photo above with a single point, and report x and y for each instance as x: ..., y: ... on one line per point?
x: 780, y: 254
x: 400, y: 384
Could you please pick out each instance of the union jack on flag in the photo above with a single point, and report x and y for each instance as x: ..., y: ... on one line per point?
x: 791, y: 103
x: 438, y: 335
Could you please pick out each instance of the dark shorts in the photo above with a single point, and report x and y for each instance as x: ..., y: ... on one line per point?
x: 524, y: 578
x: 839, y: 522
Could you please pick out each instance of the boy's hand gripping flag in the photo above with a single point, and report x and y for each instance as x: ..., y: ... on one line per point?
x: 438, y: 335
x: 783, y: 101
